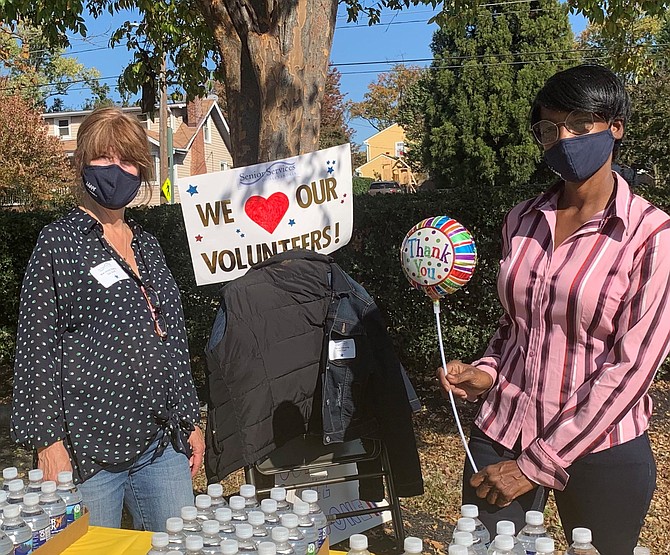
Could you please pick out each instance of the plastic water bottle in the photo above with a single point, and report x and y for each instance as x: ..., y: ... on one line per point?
x: 466, y: 524
x: 258, y: 530
x: 229, y: 547
x: 502, y: 545
x: 581, y: 543
x: 17, y: 530
x: 248, y: 491
x: 244, y: 537
x: 306, y: 526
x: 71, y: 495
x: 295, y: 537
x: 358, y: 545
x: 545, y: 546
x: 16, y: 492
x: 224, y: 516
x: 54, y: 506
x: 533, y: 529
x: 203, y: 503
x: 506, y: 528
x: 35, y: 517
x: 215, y: 491
x: 279, y: 495
x: 280, y: 539
x: 481, y: 532
x: 211, y: 541
x: 639, y: 550
x: 3, y: 499
x: 193, y: 545
x: 267, y: 548
x: 175, y: 531
x: 189, y: 516
x: 413, y: 546
x: 269, y: 508
x: 237, y: 504
x: 464, y: 538
x: 35, y: 479
x: 6, y: 545
x: 458, y: 550
x: 8, y: 474
x: 316, y: 514
x: 159, y: 544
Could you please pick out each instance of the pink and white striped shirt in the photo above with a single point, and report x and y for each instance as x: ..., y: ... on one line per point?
x: 585, y: 327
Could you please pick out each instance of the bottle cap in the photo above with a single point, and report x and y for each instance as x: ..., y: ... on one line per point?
x: 470, y: 511
x: 11, y: 511
x: 31, y: 499
x: 159, y: 539
x: 466, y: 524
x: 505, y: 527
x: 247, y: 490
x: 504, y: 542
x: 310, y: 496
x: 9, y: 473
x: 193, y: 542
x: 35, y: 475
x: 279, y: 534
x: 189, y: 513
x: 203, y: 501
x: 289, y: 520
x: 267, y: 548
x: 269, y: 506
x: 639, y: 550
x: 65, y: 476
x: 223, y: 514
x: 236, y: 502
x: 256, y: 518
x: 581, y: 535
x: 243, y: 531
x: 534, y: 518
x: 458, y: 550
x: 174, y: 524
x: 463, y: 538
x: 3, y: 496
x: 413, y: 545
x: 278, y: 494
x: 300, y: 508
x: 15, y: 485
x: 358, y: 541
x: 211, y: 527
x: 215, y: 490
x: 545, y: 546
x: 229, y: 547
x: 48, y: 487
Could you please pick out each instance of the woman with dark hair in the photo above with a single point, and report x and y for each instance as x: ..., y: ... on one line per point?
x: 586, y: 324
x: 102, y: 383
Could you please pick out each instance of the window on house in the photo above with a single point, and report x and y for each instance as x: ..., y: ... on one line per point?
x: 145, y: 120
x: 399, y: 149
x: 224, y: 165
x: 207, y: 130
x: 63, y: 128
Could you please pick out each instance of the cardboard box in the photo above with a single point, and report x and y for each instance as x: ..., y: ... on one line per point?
x: 60, y: 542
x: 325, y: 548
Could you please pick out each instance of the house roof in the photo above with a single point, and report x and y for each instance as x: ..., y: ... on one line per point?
x: 380, y: 132
x: 393, y: 158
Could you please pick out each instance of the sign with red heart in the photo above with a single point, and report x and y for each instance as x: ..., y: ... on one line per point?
x: 267, y: 212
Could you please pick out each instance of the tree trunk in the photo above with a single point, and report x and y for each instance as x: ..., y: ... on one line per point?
x: 275, y: 56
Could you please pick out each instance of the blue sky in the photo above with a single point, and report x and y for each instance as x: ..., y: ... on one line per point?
x: 401, y: 36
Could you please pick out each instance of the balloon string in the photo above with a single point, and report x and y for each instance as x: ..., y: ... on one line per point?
x: 436, y: 310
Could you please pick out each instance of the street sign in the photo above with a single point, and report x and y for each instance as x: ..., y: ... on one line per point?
x: 166, y: 189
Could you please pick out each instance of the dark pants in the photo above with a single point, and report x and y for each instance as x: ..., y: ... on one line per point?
x: 608, y: 492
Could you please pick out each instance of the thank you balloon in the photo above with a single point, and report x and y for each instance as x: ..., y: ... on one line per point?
x: 438, y: 256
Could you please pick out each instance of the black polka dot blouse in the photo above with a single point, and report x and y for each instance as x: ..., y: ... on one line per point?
x: 91, y: 368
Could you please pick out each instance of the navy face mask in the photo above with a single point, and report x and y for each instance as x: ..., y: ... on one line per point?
x: 111, y: 186
x: 576, y: 159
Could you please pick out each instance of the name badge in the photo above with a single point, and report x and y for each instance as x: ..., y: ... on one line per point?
x: 108, y: 273
x: 339, y: 349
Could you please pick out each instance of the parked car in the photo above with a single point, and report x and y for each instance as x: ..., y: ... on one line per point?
x: 384, y: 187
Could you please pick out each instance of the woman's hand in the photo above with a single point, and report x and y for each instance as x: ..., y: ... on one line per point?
x: 53, y: 459
x: 464, y: 380
x: 197, y: 443
x: 501, y: 483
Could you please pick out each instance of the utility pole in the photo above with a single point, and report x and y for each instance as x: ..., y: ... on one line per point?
x: 163, y: 130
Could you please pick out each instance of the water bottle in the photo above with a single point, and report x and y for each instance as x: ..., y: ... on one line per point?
x: 175, y: 531
x: 35, y: 517
x: 506, y: 528
x: 306, y: 526
x: 466, y: 524
x: 258, y: 530
x: 533, y: 529
x: 481, y: 532
x: 17, y: 530
x: 189, y: 516
x: 54, y: 506
x: 223, y: 516
x: 639, y: 550
x: 248, y: 491
x: 316, y: 514
x: 193, y: 545
x: 211, y: 541
x: 413, y: 546
x: 35, y: 479
x: 16, y: 491
x: 295, y: 537
x: 244, y: 537
x: 545, y: 546
x: 229, y: 547
x: 464, y: 538
x: 502, y: 545
x: 203, y: 503
x: 159, y: 544
x: 215, y: 491
x: 237, y: 504
x: 3, y: 498
x: 71, y: 495
x: 279, y: 495
x: 358, y: 545
x: 8, y: 474
x: 581, y: 543
x: 280, y: 539
x: 269, y: 508
x: 267, y: 548
x: 458, y: 550
x: 6, y: 545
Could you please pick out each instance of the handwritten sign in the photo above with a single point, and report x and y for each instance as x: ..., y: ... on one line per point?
x: 238, y: 218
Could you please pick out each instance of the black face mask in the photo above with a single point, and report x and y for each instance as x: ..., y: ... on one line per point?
x: 111, y: 186
x: 575, y: 159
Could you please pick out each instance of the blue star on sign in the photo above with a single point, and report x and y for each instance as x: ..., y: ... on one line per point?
x: 291, y: 222
x: 192, y: 190
x: 330, y: 169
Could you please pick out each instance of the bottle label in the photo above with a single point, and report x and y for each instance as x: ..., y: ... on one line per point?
x: 73, y: 512
x: 323, y: 534
x: 41, y: 536
x: 311, y: 548
x: 24, y: 548
x: 58, y: 523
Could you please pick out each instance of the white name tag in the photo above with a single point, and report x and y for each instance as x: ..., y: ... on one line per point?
x: 108, y: 273
x: 341, y: 348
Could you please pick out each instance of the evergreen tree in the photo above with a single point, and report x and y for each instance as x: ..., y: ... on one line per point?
x: 334, y: 128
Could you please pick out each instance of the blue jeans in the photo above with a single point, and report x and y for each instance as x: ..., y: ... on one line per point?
x: 152, y: 492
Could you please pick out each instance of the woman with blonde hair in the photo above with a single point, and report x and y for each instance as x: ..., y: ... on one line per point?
x: 102, y: 374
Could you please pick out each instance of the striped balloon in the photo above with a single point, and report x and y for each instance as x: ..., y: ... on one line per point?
x: 438, y: 256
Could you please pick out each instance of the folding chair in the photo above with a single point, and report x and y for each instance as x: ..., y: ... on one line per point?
x: 307, y: 452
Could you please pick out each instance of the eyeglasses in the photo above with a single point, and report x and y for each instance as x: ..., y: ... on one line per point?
x: 154, y: 302
x: 578, y: 123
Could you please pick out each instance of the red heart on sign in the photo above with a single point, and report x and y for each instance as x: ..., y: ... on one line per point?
x: 267, y: 212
